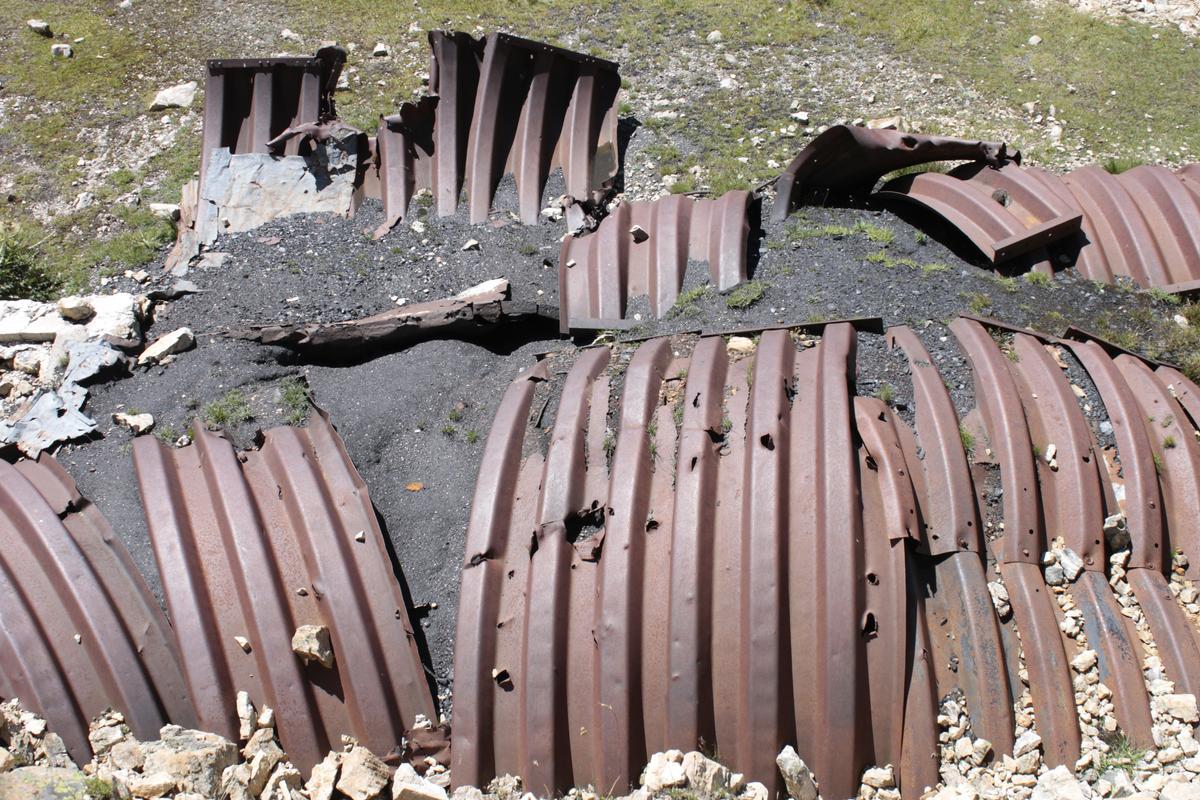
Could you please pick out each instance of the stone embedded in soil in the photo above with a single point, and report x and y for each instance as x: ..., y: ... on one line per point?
x: 40, y: 27
x: 179, y: 96
x: 138, y: 423
x: 61, y: 51
x: 169, y: 344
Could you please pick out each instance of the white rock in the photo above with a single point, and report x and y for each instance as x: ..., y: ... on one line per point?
x: 138, y: 423
x: 1178, y: 790
x: 471, y: 244
x: 290, y: 35
x: 741, y: 344
x: 247, y: 717
x: 796, y: 775
x: 408, y: 785
x: 1181, y: 321
x: 1000, y: 598
x: 1180, y: 706
x: 964, y: 748
x: 1084, y: 661
x: 61, y: 51
x: 363, y: 775
x: 178, y: 96
x: 879, y: 777
x: 1059, y: 784
x: 1071, y: 562
x: 169, y: 211
x: 324, y: 777
x: 713, y: 37
x: 705, y: 775
x: 75, y: 308
x: 1035, y: 40
x: 40, y: 27
x: 312, y: 643
x: 1055, y: 575
x: 381, y: 50
x: 168, y: 344
x: 665, y: 771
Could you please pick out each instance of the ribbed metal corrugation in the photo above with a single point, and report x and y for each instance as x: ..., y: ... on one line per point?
x: 673, y: 545
x: 258, y: 543
x: 248, y: 102
x: 1143, y: 224
x: 667, y: 569
x: 845, y: 161
x: 63, y: 574
x: 504, y: 105
x: 600, y: 272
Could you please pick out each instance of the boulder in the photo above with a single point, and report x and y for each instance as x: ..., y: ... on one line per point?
x: 665, y: 771
x: 364, y: 776
x: 796, y: 775
x: 44, y: 783
x: 179, y: 96
x: 76, y: 308
x: 168, y: 344
x: 195, y: 759
x: 705, y: 775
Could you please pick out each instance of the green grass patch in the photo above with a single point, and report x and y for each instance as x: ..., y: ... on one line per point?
x: 746, y: 295
x: 1122, y: 754
x: 1038, y: 279
x: 232, y: 408
x: 22, y: 272
x: 293, y: 394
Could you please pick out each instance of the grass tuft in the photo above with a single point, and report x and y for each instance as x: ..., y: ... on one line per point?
x: 746, y: 295
x: 232, y: 408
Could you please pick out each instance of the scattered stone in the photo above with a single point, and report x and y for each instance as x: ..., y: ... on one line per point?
x: 155, y: 784
x: 1055, y: 575
x: 1179, y: 706
x: 471, y: 244
x: 879, y: 777
x: 1181, y: 321
x: 289, y: 35
x: 363, y: 775
x: 1000, y: 598
x: 138, y: 423
x: 638, y: 233
x: 714, y: 37
x: 891, y: 123
x: 285, y: 780
x: 1177, y: 790
x: 381, y: 50
x: 169, y: 344
x: 1084, y: 661
x: 740, y: 344
x: 796, y: 775
x: 665, y: 771
x: 7, y: 760
x: 705, y: 775
x: 169, y: 211
x: 1027, y: 742
x: 408, y: 785
x: 324, y: 777
x: 1071, y: 563
x: 75, y: 309
x: 243, y: 643
x: 1059, y: 784
x: 194, y: 759
x: 179, y: 96
x: 247, y: 718
x: 61, y: 51
x: 1035, y: 40
x: 40, y: 27
x: 312, y: 643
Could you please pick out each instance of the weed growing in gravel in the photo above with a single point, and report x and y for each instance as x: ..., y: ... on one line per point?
x: 1169, y: 442
x: 934, y: 266
x: 472, y: 436
x: 528, y: 249
x: 1122, y: 754
x: 1163, y: 296
x: 1006, y: 283
x: 977, y: 301
x: 685, y: 303
x: 876, y: 233
x: 97, y: 789
x: 231, y: 409
x: 167, y: 434
x: 21, y: 274
x: 880, y: 257
x: 455, y: 414
x: 968, y: 440
x: 449, y: 430
x: 1115, y: 166
x: 886, y: 393
x: 294, y: 396
x: 1038, y: 279
x: 746, y: 295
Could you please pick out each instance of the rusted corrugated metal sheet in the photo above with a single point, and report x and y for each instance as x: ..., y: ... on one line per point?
x: 688, y: 580
x: 643, y: 249
x: 500, y: 105
x: 79, y: 630
x: 845, y: 161
x: 1143, y: 224
x: 251, y: 546
x: 250, y: 101
x: 675, y: 545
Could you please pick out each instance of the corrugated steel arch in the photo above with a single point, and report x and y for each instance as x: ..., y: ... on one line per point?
x: 254, y: 545
x: 63, y: 574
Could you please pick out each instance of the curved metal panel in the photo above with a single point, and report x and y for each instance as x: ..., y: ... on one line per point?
x: 250, y: 547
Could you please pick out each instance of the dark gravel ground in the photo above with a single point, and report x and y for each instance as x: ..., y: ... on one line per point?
x: 421, y: 414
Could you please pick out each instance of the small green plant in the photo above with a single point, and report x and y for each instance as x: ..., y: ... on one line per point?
x: 677, y: 414
x: 610, y: 444
x: 455, y: 414
x: 528, y: 249
x: 449, y: 431
x: 934, y: 266
x: 876, y: 233
x: 1158, y: 464
x: 726, y: 425
x: 1122, y: 754
x: 886, y: 393
x: 294, y: 396
x: 685, y: 303
x: 472, y: 436
x: 746, y: 295
x: 968, y: 440
x: 1161, y: 295
x: 977, y: 301
x: 22, y: 274
x: 167, y: 434
x: 1169, y: 442
x: 1038, y: 279
x: 1006, y: 283
x: 921, y: 237
x: 231, y: 409
x: 1115, y: 166
x: 97, y: 789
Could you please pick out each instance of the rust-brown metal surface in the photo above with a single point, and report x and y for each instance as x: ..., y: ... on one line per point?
x: 642, y: 249
x: 250, y: 101
x: 252, y: 545
x: 1143, y: 224
x: 845, y: 161
x: 500, y: 105
x: 79, y: 630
